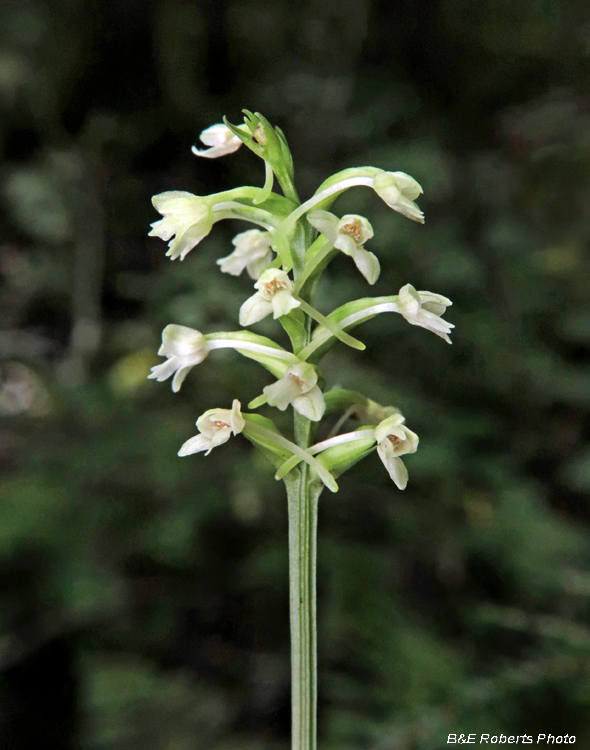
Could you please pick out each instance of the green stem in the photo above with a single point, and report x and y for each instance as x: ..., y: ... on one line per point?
x: 302, y: 503
x: 303, y: 511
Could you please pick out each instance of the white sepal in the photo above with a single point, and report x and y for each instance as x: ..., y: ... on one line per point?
x: 311, y: 404
x: 221, y: 141
x: 254, y: 309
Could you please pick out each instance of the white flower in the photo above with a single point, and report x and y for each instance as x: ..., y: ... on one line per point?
x: 216, y: 427
x: 184, y: 348
x: 299, y: 387
x: 399, y: 191
x: 349, y: 234
x: 221, y: 140
x: 252, y: 252
x: 395, y: 440
x: 274, y: 296
x: 424, y: 309
x: 187, y: 216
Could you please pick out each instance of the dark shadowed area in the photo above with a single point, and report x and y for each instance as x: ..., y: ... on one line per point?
x: 144, y: 597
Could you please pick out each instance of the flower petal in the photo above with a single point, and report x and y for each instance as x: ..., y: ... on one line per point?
x: 184, y: 243
x: 283, y: 302
x: 233, y: 264
x: 256, y: 267
x: 181, y: 341
x: 178, y: 379
x: 311, y: 404
x: 163, y: 371
x: 283, y: 392
x: 255, y: 308
x: 395, y: 468
x: 195, y: 444
x: 324, y: 222
x: 367, y: 263
x: 237, y: 421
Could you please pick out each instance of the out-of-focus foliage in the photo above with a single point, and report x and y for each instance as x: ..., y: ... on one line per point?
x: 144, y: 597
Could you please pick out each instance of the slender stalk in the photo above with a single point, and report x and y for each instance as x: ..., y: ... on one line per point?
x: 303, y: 513
x: 302, y: 504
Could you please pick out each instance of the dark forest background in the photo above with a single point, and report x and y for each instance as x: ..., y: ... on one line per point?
x: 144, y: 598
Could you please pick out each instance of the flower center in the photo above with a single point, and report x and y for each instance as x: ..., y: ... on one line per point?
x: 259, y: 135
x: 352, y: 230
x: 394, y: 440
x: 274, y: 286
x: 219, y: 425
x: 297, y: 380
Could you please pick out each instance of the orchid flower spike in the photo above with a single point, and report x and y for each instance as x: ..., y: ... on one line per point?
x: 298, y: 387
x: 216, y: 427
x: 274, y: 295
x: 395, y: 440
x: 221, y: 141
x: 349, y: 234
x: 252, y: 252
x: 424, y: 309
x: 399, y: 191
x: 184, y: 347
x: 187, y: 217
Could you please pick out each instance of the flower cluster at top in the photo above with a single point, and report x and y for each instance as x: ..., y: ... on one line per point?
x: 285, y: 253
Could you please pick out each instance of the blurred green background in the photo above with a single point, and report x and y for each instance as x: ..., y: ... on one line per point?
x: 144, y: 598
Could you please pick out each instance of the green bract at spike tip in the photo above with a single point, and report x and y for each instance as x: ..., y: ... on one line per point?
x: 246, y: 138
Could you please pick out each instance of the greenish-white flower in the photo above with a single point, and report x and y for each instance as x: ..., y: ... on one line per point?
x: 424, y: 309
x: 187, y: 219
x: 298, y: 387
x: 220, y: 140
x: 215, y: 427
x: 395, y: 440
x: 399, y: 191
x: 184, y: 348
x: 274, y: 295
x: 349, y: 235
x: 252, y: 252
